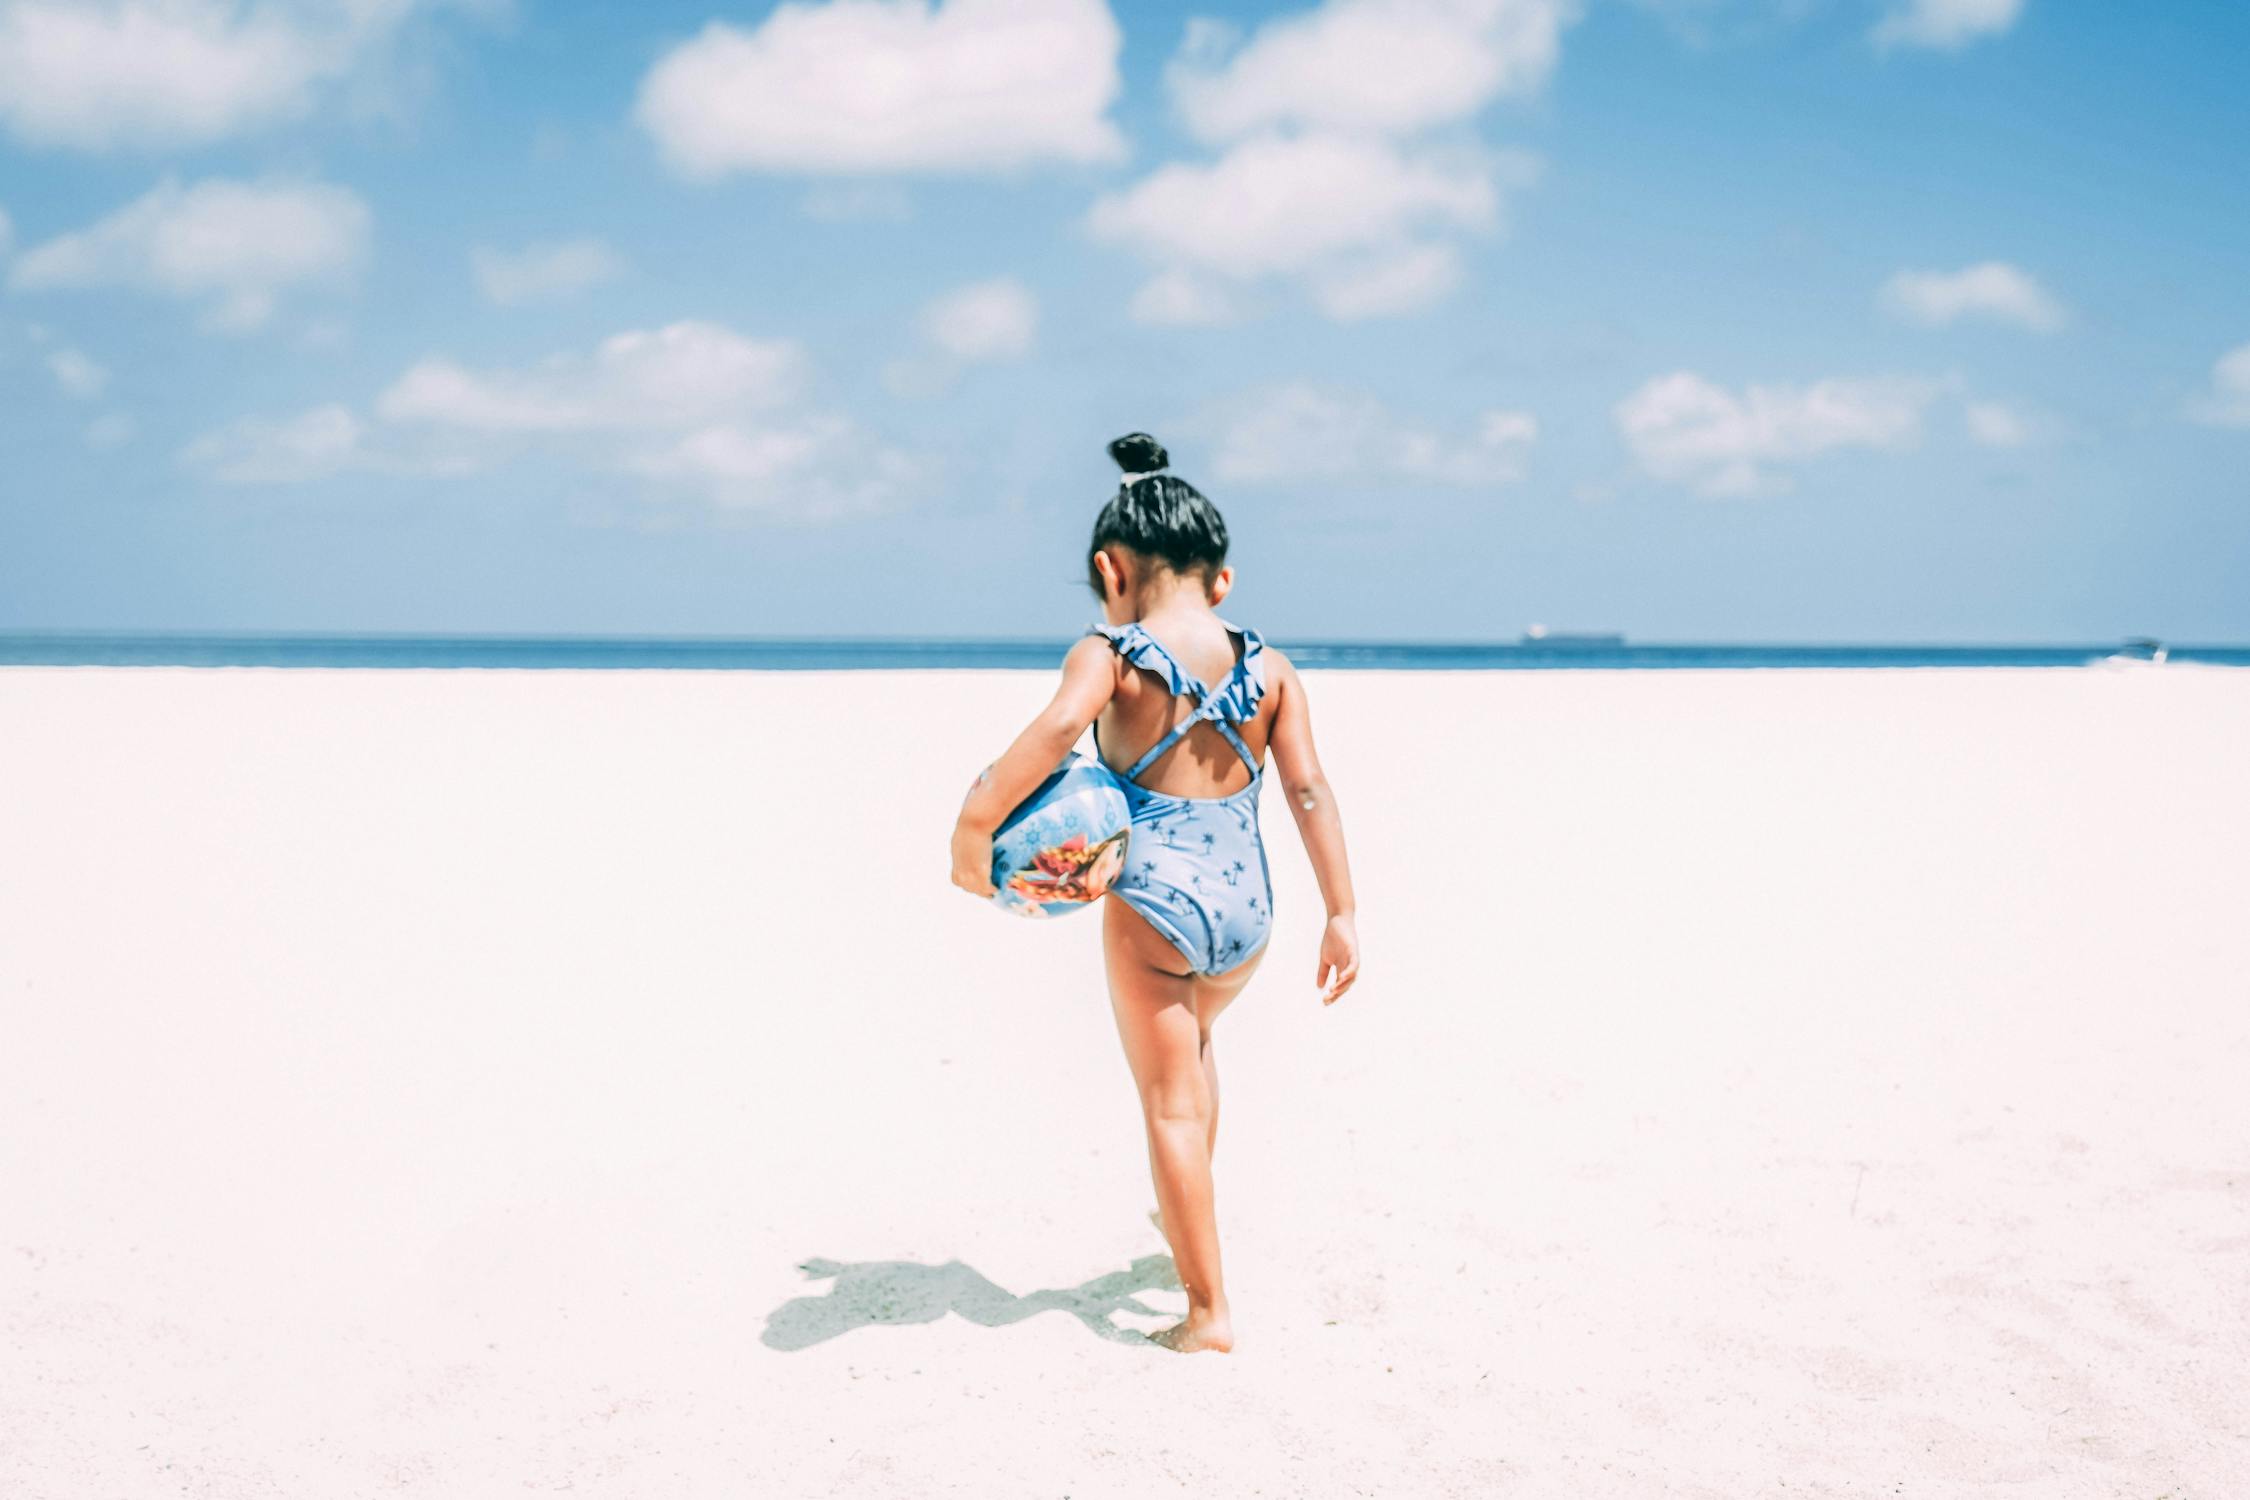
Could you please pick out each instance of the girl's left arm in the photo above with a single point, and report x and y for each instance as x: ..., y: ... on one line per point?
x: 1089, y: 679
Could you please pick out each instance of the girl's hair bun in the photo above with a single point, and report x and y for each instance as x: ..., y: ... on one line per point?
x: 1138, y: 453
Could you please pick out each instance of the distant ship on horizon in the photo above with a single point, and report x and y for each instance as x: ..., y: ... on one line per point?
x: 1572, y: 640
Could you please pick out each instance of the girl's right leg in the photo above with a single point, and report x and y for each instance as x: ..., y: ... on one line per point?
x: 1213, y: 993
x: 1153, y: 997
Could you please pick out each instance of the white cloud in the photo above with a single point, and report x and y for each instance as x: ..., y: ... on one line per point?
x: 890, y: 86
x: 1995, y: 424
x: 1286, y: 205
x: 1684, y: 429
x: 1310, y: 434
x: 110, y: 430
x: 95, y: 76
x: 78, y: 375
x: 1945, y: 25
x: 2227, y: 403
x: 1992, y: 290
x: 1706, y: 23
x: 1180, y: 299
x: 818, y: 468
x: 1366, y: 224
x: 986, y: 320
x: 1330, y: 176
x: 1399, y: 281
x: 691, y: 406
x: 7, y: 232
x: 858, y: 203
x: 322, y: 442
x: 544, y: 272
x: 678, y: 376
x: 233, y: 246
x: 168, y: 74
x: 324, y: 334
x: 1388, y: 67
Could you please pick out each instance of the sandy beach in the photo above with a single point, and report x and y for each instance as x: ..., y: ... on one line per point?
x: 487, y: 1082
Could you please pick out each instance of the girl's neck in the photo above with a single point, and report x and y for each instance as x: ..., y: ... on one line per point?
x: 1171, y: 598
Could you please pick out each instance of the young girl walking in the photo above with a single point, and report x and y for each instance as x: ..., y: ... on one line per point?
x: 1184, y: 706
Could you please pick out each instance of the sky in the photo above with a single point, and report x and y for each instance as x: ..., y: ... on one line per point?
x: 1700, y: 320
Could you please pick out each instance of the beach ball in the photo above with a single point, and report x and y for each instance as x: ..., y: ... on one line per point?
x: 1063, y: 845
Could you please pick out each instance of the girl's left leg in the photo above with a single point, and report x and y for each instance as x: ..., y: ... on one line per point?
x: 1153, y: 997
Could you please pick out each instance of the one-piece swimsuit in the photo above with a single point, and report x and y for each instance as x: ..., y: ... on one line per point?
x: 1195, y: 867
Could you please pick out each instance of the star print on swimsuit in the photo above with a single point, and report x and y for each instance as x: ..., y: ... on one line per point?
x: 1179, y: 841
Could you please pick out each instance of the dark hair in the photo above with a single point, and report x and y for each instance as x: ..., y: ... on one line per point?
x: 1160, y: 516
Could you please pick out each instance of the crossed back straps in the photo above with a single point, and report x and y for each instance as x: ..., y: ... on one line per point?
x: 1235, y: 699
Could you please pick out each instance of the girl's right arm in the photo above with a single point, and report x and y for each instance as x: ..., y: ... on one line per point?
x: 1089, y: 677
x: 1313, y: 804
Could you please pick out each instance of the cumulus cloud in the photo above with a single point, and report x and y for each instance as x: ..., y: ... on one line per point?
x: 1313, y: 434
x: 543, y: 272
x: 1994, y: 291
x: 690, y: 407
x: 985, y: 322
x: 684, y: 375
x: 1359, y: 221
x: 2227, y: 402
x: 98, y: 75
x: 1279, y: 204
x: 234, y: 247
x: 1705, y: 23
x: 858, y: 203
x: 1685, y: 429
x: 322, y: 442
x: 1182, y: 299
x: 1394, y: 281
x: 77, y: 375
x: 1995, y: 424
x: 1386, y: 67
x: 818, y: 468
x: 1329, y: 176
x: 110, y: 430
x: 879, y: 86
x: 1945, y: 25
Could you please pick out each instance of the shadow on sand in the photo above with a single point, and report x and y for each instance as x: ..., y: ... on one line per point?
x: 904, y: 1291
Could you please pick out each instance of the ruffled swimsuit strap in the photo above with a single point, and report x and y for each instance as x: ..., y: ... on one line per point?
x: 1235, y: 699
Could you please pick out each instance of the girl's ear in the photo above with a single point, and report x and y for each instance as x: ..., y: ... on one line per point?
x: 1113, y: 582
x: 1222, y: 583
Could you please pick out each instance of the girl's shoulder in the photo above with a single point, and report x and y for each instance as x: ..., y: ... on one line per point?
x: 1237, y: 692
x: 1133, y: 634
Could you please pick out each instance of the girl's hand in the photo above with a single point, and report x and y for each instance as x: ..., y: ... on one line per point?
x: 1339, y: 959
x: 972, y: 861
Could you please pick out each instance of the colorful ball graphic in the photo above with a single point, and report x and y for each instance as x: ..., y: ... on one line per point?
x: 1063, y: 845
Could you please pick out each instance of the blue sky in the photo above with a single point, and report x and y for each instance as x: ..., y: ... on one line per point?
x: 1698, y: 319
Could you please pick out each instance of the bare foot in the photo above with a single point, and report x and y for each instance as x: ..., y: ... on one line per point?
x: 1193, y: 1333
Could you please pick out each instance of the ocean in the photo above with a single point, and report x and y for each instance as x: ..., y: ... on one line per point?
x: 786, y: 654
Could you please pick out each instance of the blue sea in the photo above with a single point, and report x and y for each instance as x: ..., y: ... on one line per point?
x: 786, y: 654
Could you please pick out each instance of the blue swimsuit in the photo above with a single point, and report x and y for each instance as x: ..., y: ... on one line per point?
x: 1195, y: 866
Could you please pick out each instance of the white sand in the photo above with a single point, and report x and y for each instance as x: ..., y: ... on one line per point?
x: 1789, y: 1083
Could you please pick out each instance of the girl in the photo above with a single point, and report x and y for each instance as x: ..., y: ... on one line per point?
x: 1187, y: 918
